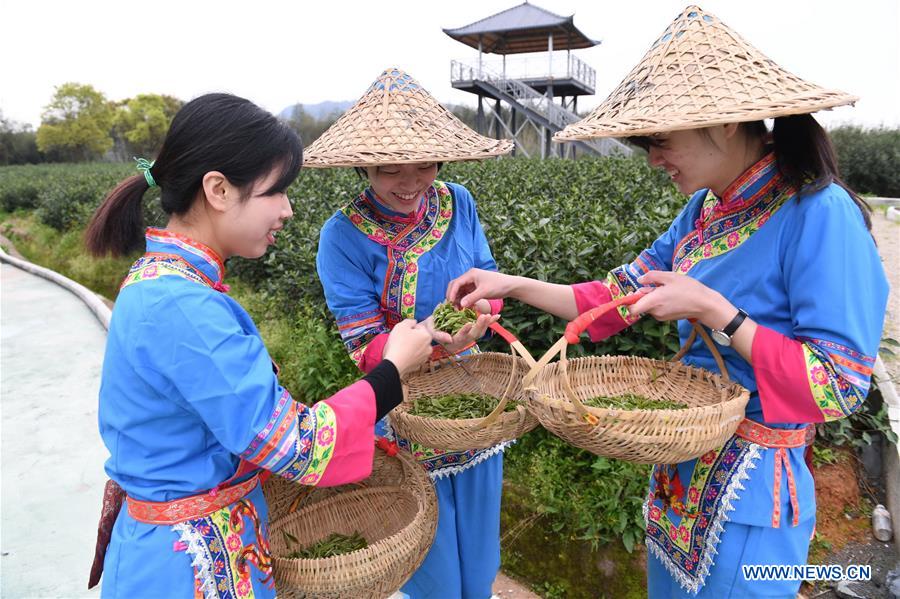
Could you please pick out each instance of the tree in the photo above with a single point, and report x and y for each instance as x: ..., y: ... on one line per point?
x: 308, y: 127
x: 18, y: 143
x: 142, y: 122
x: 76, y: 124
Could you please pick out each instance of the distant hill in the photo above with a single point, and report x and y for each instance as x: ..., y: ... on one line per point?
x: 320, y: 110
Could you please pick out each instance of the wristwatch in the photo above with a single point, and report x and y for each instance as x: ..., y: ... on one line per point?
x: 723, y: 336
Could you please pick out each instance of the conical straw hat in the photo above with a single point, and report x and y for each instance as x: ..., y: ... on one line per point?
x: 697, y: 74
x: 397, y: 121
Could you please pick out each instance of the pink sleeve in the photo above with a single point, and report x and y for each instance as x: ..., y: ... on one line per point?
x: 372, y: 354
x: 590, y: 295
x: 354, y: 446
x: 496, y: 305
x: 780, y: 368
x: 328, y: 443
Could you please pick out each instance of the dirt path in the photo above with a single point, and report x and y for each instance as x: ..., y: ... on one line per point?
x: 507, y: 588
x: 887, y: 234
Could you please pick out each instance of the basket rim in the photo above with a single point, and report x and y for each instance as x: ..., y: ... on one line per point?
x: 509, y: 415
x: 690, y: 410
x: 372, y: 548
x: 553, y: 368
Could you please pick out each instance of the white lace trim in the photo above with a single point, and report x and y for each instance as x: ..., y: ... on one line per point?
x: 439, y: 473
x: 692, y: 584
x: 202, y: 558
x: 447, y: 471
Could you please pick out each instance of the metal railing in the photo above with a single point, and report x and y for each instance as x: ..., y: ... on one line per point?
x: 539, y: 67
x: 581, y: 71
x: 531, y: 99
x: 523, y: 94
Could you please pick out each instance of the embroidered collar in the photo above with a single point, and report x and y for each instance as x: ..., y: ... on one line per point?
x: 385, y: 214
x: 752, y: 186
x: 723, y: 226
x: 198, y: 255
x: 747, y: 188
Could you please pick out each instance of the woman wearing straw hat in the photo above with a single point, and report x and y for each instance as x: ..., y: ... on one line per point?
x: 389, y: 254
x: 780, y: 265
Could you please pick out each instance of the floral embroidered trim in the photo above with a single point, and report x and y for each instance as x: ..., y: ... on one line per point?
x: 153, y: 265
x: 307, y: 468
x: 688, y: 551
x: 740, y: 186
x: 305, y: 436
x: 728, y: 231
x: 833, y: 393
x: 189, y: 245
x: 220, y: 556
x: 440, y: 463
x: 851, y: 364
x: 622, y: 282
x: 406, y: 242
x: 202, y: 562
x: 358, y: 330
x: 480, y: 456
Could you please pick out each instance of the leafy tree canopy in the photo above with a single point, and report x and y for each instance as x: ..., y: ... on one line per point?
x: 76, y: 124
x: 142, y: 121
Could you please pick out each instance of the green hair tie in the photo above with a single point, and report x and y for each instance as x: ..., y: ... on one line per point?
x: 144, y: 166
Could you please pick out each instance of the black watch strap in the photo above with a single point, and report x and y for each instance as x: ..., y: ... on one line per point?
x: 732, y: 326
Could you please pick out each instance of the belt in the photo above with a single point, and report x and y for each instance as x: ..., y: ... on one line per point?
x: 781, y: 440
x: 166, y: 512
x: 192, y: 507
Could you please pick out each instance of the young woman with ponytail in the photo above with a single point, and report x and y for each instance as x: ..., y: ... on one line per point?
x: 191, y: 409
x: 772, y: 253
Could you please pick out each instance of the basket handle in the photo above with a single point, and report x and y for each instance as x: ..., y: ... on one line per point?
x: 698, y: 328
x: 578, y: 326
x: 575, y: 328
x: 515, y: 347
x: 513, y: 342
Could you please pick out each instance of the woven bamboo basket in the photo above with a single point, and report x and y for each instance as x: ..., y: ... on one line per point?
x: 494, y: 374
x: 395, y: 509
x: 555, y: 394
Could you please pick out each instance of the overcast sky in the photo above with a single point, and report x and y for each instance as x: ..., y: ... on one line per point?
x: 277, y: 53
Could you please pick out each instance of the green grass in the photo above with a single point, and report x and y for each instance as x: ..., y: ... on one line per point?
x: 64, y: 253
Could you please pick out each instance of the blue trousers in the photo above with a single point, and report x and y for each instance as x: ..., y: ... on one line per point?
x: 465, y: 557
x: 741, y: 545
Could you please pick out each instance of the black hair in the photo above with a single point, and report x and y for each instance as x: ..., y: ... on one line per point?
x: 215, y: 132
x: 807, y: 160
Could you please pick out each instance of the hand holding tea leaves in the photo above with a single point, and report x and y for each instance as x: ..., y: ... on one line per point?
x: 456, y: 329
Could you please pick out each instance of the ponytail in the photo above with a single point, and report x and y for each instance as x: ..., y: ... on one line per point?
x: 117, y: 226
x: 215, y: 132
x: 807, y: 160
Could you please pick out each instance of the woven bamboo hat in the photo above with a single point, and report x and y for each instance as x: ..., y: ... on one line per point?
x: 397, y: 121
x: 697, y: 74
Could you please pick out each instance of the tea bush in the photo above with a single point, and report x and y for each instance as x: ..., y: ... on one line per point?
x: 869, y: 159
x: 555, y: 220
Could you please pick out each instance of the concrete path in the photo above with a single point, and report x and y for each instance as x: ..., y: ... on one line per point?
x: 51, y: 352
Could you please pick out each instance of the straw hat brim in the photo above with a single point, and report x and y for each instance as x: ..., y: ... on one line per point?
x: 397, y: 122
x: 660, y: 123
x: 319, y: 159
x: 700, y: 73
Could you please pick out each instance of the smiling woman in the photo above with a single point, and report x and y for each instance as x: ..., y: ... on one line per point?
x: 401, y: 187
x: 191, y: 409
x: 773, y: 253
x: 387, y: 255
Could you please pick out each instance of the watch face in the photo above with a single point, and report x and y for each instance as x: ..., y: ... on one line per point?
x: 721, y: 338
